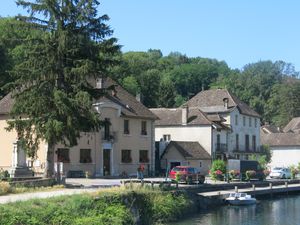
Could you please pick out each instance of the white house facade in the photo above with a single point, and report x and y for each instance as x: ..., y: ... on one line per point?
x: 284, y: 145
x: 223, y: 125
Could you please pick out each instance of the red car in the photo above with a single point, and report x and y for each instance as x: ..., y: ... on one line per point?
x: 186, y: 174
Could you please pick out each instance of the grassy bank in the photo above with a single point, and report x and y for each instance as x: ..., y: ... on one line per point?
x: 114, y: 206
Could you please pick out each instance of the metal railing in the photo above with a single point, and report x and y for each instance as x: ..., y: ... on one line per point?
x: 220, y: 147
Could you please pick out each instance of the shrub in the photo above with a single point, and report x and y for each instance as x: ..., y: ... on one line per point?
x: 234, y: 174
x: 294, y: 171
x: 218, y: 169
x: 3, y: 174
x: 4, y: 188
x: 250, y: 174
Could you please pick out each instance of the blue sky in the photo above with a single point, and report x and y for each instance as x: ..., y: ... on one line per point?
x: 236, y: 31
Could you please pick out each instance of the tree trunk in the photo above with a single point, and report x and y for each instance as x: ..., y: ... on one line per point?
x: 49, y: 167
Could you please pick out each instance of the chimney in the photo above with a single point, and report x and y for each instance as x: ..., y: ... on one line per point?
x: 138, y: 97
x: 225, y: 101
x: 99, y: 83
x: 184, y: 114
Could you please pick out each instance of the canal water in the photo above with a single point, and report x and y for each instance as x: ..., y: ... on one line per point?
x: 284, y: 210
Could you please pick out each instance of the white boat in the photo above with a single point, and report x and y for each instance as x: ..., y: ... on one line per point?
x: 240, y: 199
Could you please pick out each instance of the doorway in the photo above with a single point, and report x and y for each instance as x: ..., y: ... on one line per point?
x: 106, y: 162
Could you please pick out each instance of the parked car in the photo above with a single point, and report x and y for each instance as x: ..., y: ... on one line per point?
x: 281, y: 173
x: 187, y: 174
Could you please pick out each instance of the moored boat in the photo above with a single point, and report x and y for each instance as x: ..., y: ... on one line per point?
x: 240, y: 199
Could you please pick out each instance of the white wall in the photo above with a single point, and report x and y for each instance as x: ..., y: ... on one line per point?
x: 201, y: 134
x: 285, y: 156
x: 242, y: 130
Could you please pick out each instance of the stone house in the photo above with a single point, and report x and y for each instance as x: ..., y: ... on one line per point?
x: 125, y: 142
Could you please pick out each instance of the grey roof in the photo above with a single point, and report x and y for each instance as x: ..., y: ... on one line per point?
x: 293, y: 125
x: 280, y: 139
x: 171, y: 117
x: 211, y: 101
x: 189, y: 150
x: 129, y: 105
x: 268, y: 129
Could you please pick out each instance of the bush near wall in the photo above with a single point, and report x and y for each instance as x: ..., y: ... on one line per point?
x: 118, y: 207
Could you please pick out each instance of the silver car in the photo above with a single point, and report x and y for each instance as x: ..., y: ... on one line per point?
x: 281, y: 173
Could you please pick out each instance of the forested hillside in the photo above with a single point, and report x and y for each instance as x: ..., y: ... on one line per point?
x: 271, y: 88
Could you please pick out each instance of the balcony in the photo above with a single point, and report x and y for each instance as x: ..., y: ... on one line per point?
x: 109, y: 137
x: 220, y: 147
x: 242, y: 149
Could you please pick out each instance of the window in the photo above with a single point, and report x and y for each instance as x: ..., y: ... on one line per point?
x: 255, y: 122
x: 250, y: 121
x: 126, y: 127
x: 236, y: 119
x: 126, y: 156
x: 144, y: 156
x: 254, y: 142
x: 237, y: 144
x: 167, y: 137
x: 144, y: 128
x: 63, y: 155
x: 244, y: 121
x: 106, y: 129
x: 85, y: 156
x: 218, y: 145
x: 247, y: 142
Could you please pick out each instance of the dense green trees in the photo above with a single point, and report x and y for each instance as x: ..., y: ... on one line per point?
x: 50, y: 84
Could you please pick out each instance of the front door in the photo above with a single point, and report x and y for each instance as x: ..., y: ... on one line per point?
x: 106, y: 162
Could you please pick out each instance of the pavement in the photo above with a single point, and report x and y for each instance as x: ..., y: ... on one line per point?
x: 41, y: 195
x: 83, y: 185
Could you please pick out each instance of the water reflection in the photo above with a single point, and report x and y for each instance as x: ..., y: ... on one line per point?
x: 276, y: 211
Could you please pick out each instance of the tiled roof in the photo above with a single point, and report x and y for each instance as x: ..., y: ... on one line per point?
x: 173, y: 117
x: 268, y: 129
x: 293, y: 126
x: 129, y: 105
x: 280, y: 139
x: 189, y: 150
x: 211, y: 101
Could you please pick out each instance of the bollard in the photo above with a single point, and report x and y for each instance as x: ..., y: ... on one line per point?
x: 236, y: 189
x: 253, y: 187
x: 219, y: 193
x: 286, y: 184
x: 270, y: 185
x: 152, y: 184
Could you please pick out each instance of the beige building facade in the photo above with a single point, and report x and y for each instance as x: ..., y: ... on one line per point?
x: 125, y: 141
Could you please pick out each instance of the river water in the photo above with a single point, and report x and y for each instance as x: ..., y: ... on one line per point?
x: 284, y: 210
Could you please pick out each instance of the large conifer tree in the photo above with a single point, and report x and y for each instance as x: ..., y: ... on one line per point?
x: 51, y: 87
